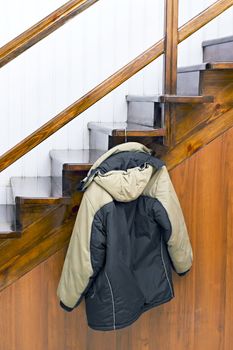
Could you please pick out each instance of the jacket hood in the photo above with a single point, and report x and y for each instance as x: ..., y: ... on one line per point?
x: 123, y: 171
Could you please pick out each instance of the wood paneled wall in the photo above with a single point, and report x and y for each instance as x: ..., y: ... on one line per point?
x: 201, y: 315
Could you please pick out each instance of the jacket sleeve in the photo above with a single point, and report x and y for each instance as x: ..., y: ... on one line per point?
x: 171, y: 218
x: 78, y: 271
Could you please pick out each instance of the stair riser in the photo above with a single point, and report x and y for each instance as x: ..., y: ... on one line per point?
x: 26, y: 214
x: 218, y: 52
x: 71, y: 180
x: 144, y: 113
x: 103, y: 140
x: 188, y: 83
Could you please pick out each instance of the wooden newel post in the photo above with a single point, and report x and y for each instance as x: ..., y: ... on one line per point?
x: 170, y: 67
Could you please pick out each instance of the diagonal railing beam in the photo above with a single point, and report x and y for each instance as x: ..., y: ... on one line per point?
x: 42, y: 29
x: 108, y: 85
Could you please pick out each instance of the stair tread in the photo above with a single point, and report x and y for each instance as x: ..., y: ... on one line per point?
x: 75, y: 156
x: 217, y: 41
x: 118, y: 129
x: 37, y: 187
x: 206, y: 66
x: 7, y: 221
x: 73, y: 159
x: 170, y: 98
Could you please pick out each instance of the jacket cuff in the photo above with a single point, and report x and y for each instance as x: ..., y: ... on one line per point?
x: 183, y: 273
x: 65, y: 307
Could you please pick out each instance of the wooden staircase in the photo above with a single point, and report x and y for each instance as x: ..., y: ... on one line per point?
x: 41, y: 220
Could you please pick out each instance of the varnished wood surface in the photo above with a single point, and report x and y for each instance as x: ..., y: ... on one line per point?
x: 35, y: 196
x: 219, y: 65
x: 170, y: 49
x: 125, y: 129
x: 42, y: 29
x: 170, y: 67
x: 39, y: 240
x: 201, y: 315
x: 108, y: 85
x: 193, y: 118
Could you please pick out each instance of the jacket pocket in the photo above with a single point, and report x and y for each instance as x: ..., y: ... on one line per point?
x: 99, y: 307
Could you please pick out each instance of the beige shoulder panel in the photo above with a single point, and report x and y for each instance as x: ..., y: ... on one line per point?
x: 77, y: 268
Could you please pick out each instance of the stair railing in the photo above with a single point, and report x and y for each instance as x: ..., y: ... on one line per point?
x: 117, y: 79
x: 42, y: 29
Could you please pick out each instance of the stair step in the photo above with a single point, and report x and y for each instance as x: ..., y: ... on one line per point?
x: 73, y: 165
x: 34, y: 196
x: 147, y: 110
x: 206, y: 65
x: 220, y: 49
x: 189, y: 79
x: 107, y: 135
x: 8, y: 227
x: 170, y: 99
x: 37, y: 189
x: 120, y: 129
x: 72, y: 160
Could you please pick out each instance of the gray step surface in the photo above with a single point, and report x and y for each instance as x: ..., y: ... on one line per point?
x: 36, y: 187
x: 147, y: 110
x: 72, y: 159
x: 189, y: 78
x: 8, y: 227
x: 106, y: 135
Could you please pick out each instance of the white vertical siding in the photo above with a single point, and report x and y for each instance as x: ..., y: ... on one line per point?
x: 62, y: 67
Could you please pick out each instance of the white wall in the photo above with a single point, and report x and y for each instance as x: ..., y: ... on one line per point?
x: 62, y: 67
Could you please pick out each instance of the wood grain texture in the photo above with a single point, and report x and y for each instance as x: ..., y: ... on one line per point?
x: 125, y: 129
x: 42, y: 29
x: 194, y: 119
x: 200, y: 315
x: 39, y: 241
x: 108, y: 85
x: 170, y: 67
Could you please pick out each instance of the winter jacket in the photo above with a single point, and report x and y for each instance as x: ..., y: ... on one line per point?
x: 128, y: 235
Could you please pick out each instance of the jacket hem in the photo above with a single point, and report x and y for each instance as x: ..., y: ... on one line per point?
x: 183, y: 273
x: 132, y: 320
x: 157, y: 303
x: 65, y: 307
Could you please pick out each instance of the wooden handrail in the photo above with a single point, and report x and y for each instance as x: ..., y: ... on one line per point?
x: 108, y: 85
x: 42, y: 29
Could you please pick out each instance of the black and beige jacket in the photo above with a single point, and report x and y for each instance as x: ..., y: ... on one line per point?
x: 128, y: 235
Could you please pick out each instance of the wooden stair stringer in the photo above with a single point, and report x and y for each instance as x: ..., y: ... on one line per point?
x: 39, y: 241
x: 200, y: 137
x: 189, y: 119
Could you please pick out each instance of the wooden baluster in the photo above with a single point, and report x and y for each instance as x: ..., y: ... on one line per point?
x: 170, y: 67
